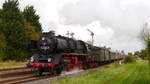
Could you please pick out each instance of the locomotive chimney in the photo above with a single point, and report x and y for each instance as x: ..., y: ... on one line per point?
x: 52, y: 33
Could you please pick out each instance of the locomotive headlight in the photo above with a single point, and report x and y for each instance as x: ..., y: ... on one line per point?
x: 32, y: 59
x: 45, y: 47
x: 43, y: 38
x: 49, y: 59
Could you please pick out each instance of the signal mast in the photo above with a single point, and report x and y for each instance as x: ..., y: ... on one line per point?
x: 92, y: 35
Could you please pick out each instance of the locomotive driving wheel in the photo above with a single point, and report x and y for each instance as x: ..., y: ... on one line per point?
x: 85, y: 67
x: 57, y: 70
x: 39, y: 72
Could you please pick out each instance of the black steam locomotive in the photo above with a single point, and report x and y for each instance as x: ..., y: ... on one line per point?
x: 59, y: 53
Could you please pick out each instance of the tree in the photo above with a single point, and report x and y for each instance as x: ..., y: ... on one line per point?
x: 32, y: 18
x: 2, y: 41
x: 33, y: 27
x: 31, y: 32
x: 143, y: 54
x: 148, y: 51
x: 145, y: 37
x: 2, y: 46
x: 130, y: 54
x: 145, y: 33
x: 13, y: 29
x: 17, y: 28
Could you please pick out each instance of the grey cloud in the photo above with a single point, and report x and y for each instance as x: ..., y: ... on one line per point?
x: 125, y: 20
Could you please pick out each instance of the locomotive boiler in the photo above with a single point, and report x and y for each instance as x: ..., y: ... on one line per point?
x: 49, y: 44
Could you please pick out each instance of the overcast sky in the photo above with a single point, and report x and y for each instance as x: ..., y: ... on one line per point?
x: 115, y: 23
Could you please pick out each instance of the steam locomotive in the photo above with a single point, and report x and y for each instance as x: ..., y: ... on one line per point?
x: 58, y: 53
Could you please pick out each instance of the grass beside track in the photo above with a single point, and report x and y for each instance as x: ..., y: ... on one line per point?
x: 132, y: 73
x: 12, y: 64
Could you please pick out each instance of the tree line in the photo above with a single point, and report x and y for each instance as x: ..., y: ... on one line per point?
x: 17, y: 28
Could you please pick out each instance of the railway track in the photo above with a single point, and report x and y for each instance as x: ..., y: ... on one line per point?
x: 22, y: 79
x: 18, y: 68
x: 18, y: 75
x: 12, y: 72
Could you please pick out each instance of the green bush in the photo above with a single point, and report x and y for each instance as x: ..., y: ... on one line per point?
x: 129, y: 59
